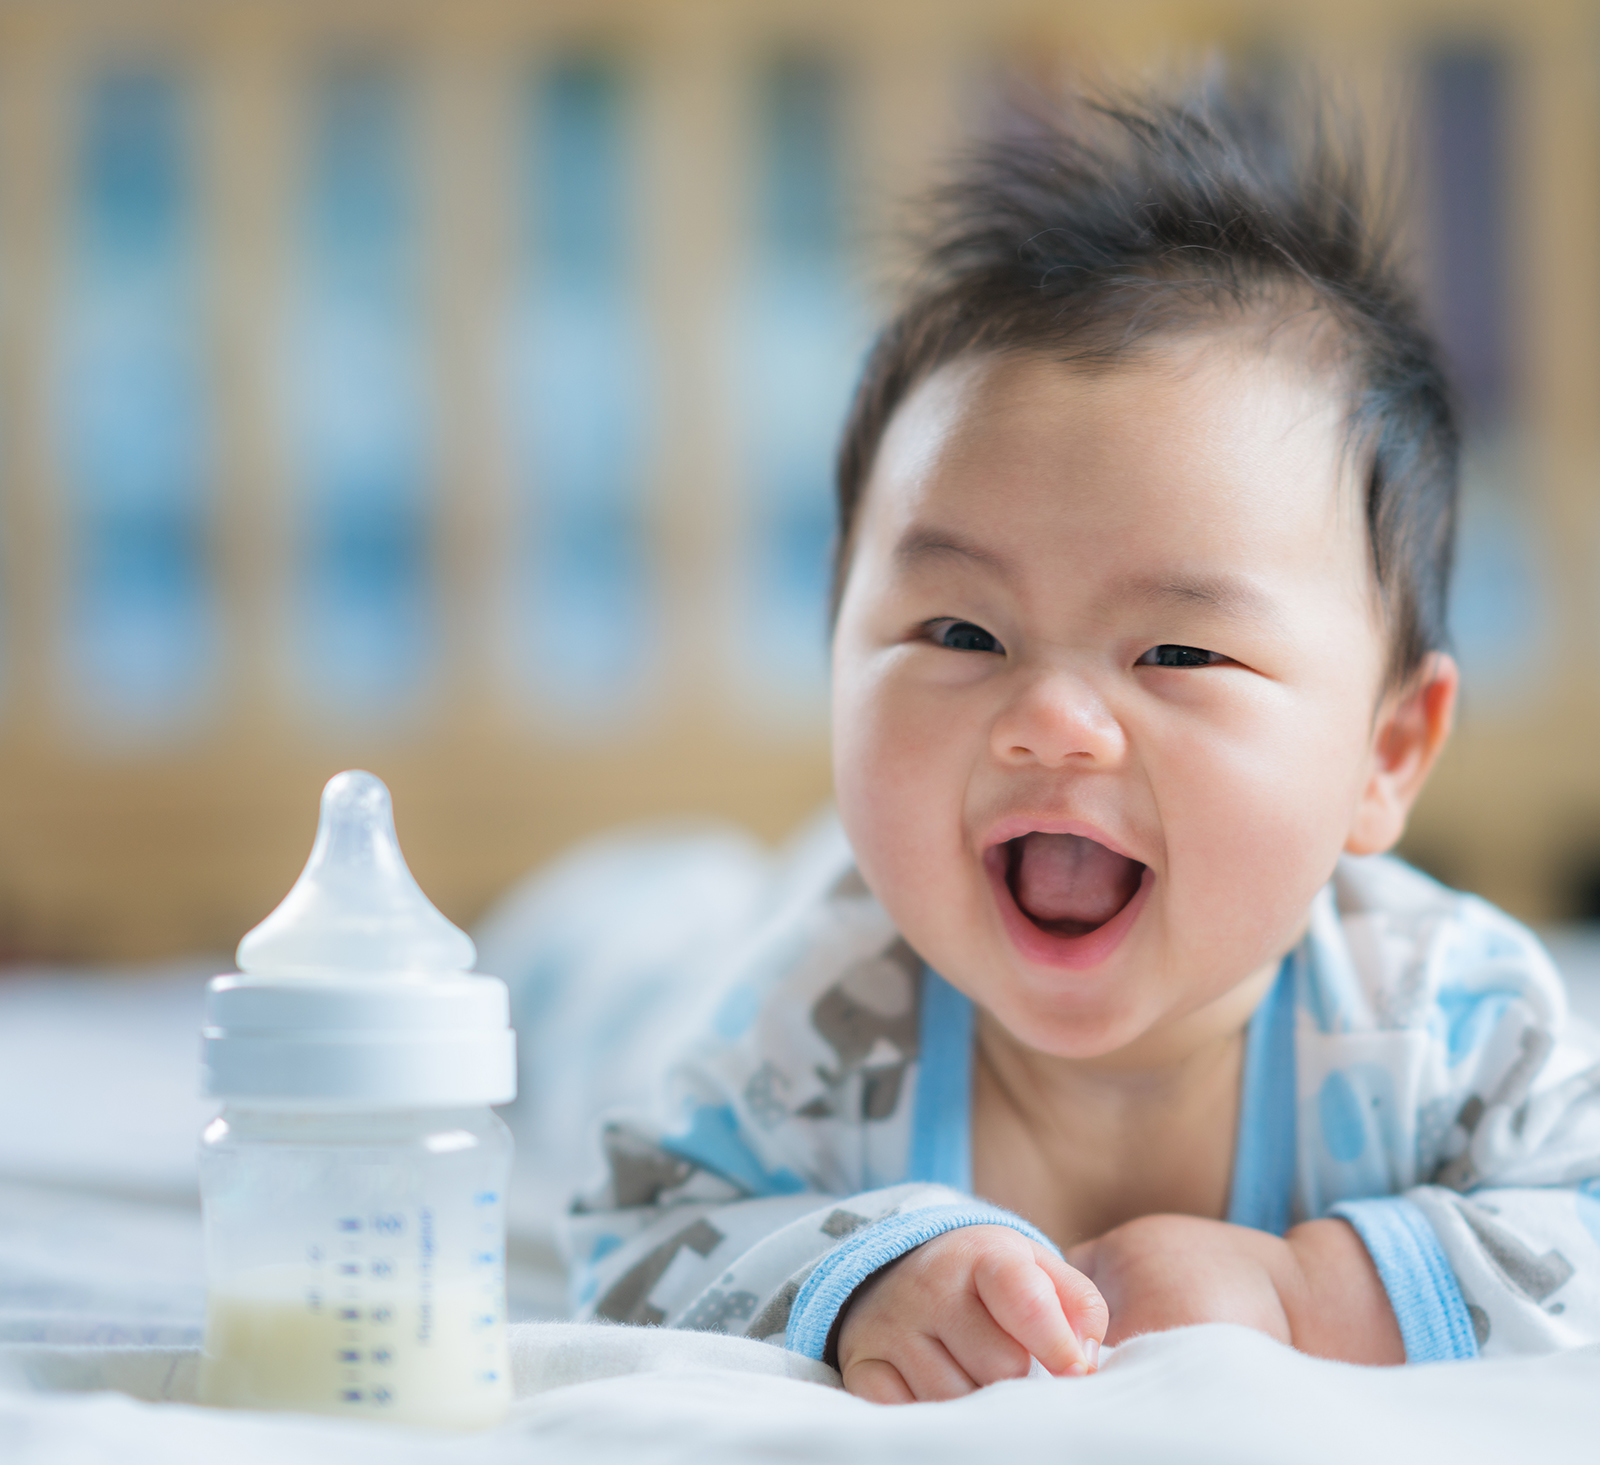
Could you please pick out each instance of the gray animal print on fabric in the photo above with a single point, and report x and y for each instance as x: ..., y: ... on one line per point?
x: 1535, y: 1045
x: 880, y: 1091
x: 716, y: 1309
x: 1461, y: 1173
x: 871, y: 1005
x: 906, y: 959
x: 640, y: 1169
x: 628, y: 1299
x: 775, y: 1315
x: 1535, y: 1276
x: 1480, y: 1323
x: 841, y: 1223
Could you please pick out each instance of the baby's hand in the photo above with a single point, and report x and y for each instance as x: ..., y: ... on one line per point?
x: 1163, y: 1272
x: 966, y: 1309
x: 1315, y: 1288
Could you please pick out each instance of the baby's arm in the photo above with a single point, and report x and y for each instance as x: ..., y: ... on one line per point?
x: 667, y: 1241
x: 964, y: 1310
x: 1315, y: 1288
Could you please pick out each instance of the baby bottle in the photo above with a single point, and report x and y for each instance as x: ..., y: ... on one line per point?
x: 354, y: 1183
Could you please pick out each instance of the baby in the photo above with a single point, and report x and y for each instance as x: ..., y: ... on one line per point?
x: 1113, y: 1017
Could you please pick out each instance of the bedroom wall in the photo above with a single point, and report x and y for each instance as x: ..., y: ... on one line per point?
x: 448, y: 389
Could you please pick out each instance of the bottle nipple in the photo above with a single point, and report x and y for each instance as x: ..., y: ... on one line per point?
x: 356, y: 912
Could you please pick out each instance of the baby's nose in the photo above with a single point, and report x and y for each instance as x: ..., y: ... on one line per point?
x: 1056, y: 720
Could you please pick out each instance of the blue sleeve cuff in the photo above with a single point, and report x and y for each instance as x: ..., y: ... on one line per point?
x: 1417, y: 1275
x: 834, y: 1278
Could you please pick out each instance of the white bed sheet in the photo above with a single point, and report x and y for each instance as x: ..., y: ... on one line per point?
x: 598, y: 1395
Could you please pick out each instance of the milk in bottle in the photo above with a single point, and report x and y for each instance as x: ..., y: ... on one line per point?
x: 354, y: 1183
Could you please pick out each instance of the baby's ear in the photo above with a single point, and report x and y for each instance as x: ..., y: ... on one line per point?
x: 1412, y: 726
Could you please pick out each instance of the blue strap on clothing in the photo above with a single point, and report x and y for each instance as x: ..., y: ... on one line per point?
x: 941, y: 1121
x: 1264, y: 1152
x: 825, y: 1292
x: 1417, y: 1275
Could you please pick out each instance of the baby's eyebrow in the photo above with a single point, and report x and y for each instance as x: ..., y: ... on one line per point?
x: 921, y: 542
x: 1230, y: 595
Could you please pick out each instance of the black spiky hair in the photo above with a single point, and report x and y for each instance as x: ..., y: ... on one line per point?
x: 1087, y: 229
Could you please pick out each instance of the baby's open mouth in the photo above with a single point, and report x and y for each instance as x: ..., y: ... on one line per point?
x: 1066, y: 884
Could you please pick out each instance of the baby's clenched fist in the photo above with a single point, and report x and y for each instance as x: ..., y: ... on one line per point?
x: 964, y: 1310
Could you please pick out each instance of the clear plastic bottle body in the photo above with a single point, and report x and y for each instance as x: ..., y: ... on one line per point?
x: 356, y: 1264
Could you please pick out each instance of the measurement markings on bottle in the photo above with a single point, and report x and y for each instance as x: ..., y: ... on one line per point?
x: 364, y: 1262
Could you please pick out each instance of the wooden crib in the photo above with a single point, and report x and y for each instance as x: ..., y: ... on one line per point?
x: 594, y: 312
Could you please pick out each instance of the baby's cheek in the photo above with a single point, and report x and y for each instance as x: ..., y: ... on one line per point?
x: 900, y: 798
x: 877, y: 771
x: 1254, y: 839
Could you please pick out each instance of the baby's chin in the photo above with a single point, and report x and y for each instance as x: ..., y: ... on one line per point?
x: 1104, y: 1025
x: 1139, y: 1016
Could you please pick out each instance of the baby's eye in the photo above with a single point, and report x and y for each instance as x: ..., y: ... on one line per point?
x: 963, y: 636
x: 1179, y: 656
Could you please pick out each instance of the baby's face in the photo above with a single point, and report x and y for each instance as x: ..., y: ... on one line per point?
x: 1105, y: 676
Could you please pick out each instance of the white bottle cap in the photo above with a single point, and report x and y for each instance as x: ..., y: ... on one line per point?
x: 355, y: 993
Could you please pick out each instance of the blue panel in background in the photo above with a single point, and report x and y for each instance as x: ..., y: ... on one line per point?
x: 799, y: 352
x: 581, y: 594
x: 360, y: 413
x: 1497, y: 605
x: 1466, y: 141
x: 130, y: 411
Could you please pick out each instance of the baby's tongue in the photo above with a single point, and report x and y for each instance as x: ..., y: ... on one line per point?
x: 1067, y: 881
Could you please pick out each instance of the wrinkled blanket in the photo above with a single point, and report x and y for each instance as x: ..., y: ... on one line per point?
x: 596, y: 1395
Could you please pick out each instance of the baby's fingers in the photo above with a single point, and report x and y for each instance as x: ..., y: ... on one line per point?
x: 878, y: 1381
x: 1038, y: 1301
x: 1083, y: 1304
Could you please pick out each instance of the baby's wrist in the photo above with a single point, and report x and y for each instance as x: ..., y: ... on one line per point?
x: 1334, y: 1299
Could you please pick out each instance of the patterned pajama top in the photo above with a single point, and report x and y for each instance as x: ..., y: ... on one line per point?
x: 1412, y: 1070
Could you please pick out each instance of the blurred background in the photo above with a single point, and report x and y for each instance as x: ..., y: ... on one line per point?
x: 450, y: 389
